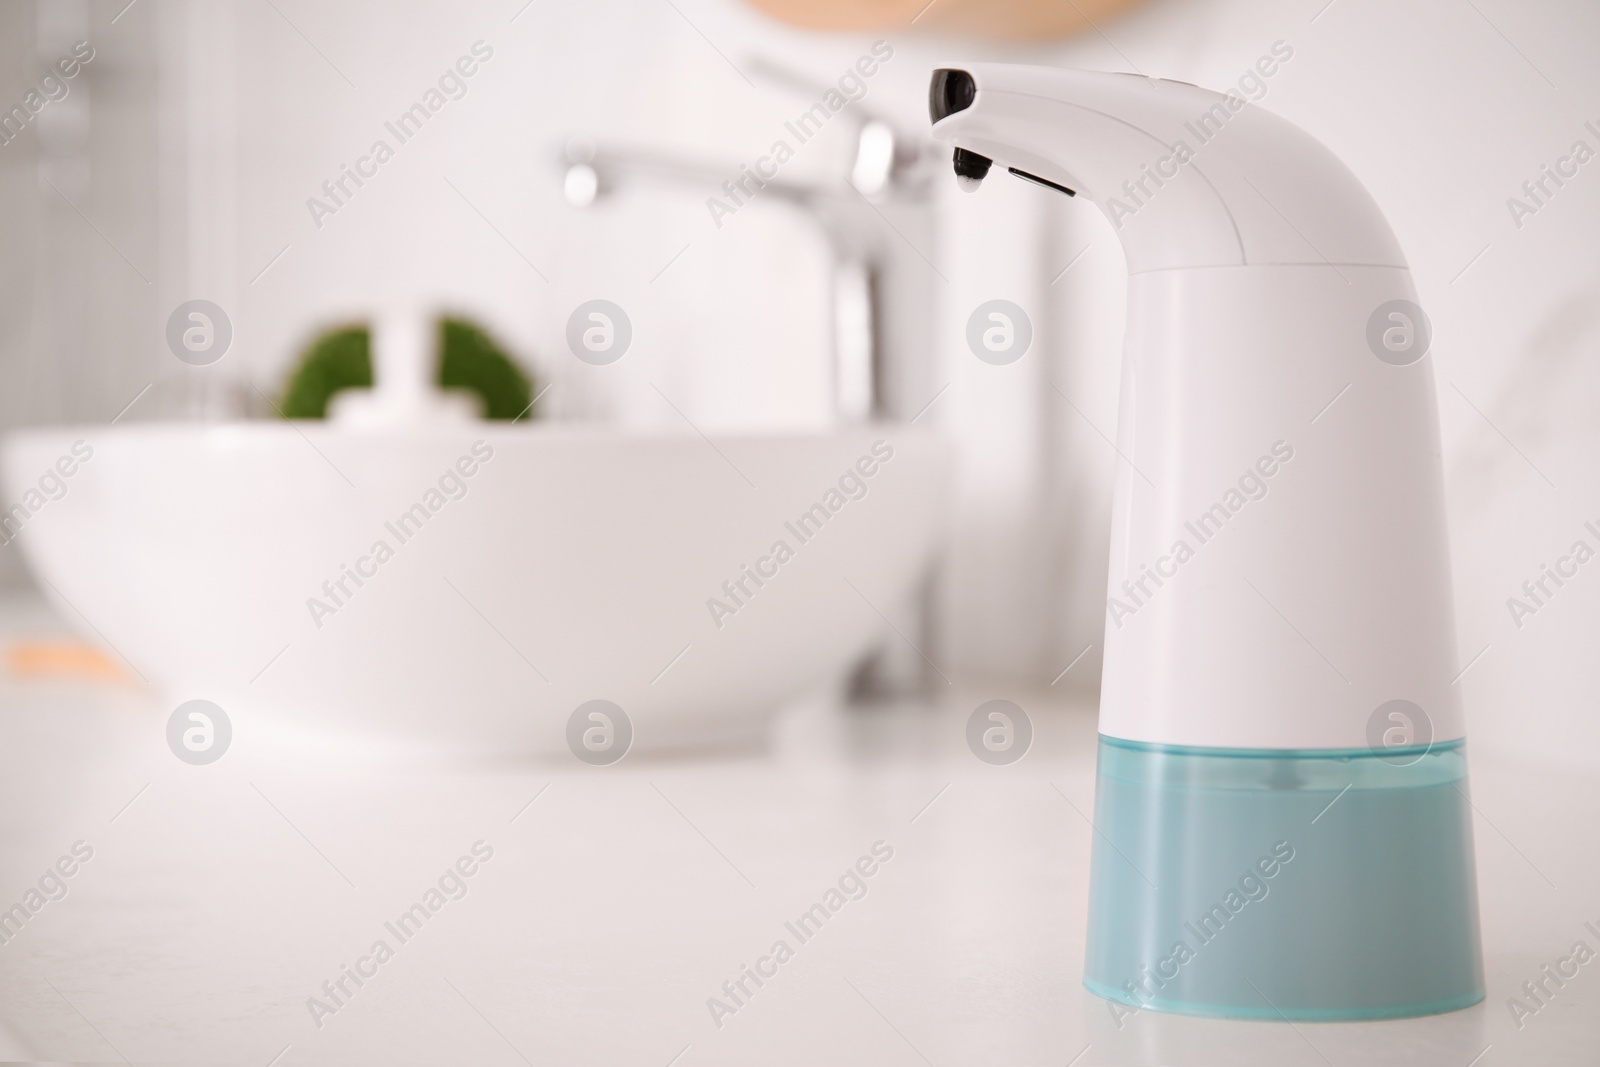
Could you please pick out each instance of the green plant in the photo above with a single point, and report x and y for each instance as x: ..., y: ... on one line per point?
x: 337, y: 359
x: 469, y: 359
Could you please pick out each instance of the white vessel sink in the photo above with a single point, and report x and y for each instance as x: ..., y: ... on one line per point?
x: 572, y: 564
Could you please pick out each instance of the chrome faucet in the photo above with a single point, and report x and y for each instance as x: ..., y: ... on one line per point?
x: 879, y: 305
x: 881, y: 295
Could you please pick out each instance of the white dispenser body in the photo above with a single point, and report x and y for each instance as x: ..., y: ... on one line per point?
x: 1297, y: 477
x: 1257, y: 264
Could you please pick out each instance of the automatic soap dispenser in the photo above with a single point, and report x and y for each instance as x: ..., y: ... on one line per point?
x: 1283, y: 829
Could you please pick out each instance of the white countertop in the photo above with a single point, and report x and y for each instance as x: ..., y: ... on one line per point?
x: 220, y: 898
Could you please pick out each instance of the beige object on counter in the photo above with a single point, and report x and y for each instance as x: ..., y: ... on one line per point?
x: 61, y: 659
x: 1004, y: 19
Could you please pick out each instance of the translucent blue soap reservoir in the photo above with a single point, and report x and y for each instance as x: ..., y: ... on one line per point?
x: 1274, y: 884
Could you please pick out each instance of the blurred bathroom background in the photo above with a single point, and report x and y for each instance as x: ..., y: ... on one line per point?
x: 180, y: 162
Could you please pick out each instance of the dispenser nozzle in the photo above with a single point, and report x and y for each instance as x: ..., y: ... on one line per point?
x: 971, y: 169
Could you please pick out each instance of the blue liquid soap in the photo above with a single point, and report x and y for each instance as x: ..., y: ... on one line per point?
x: 1283, y: 884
